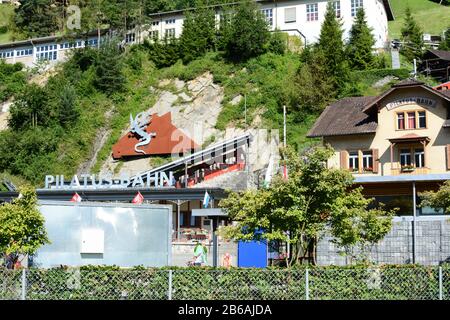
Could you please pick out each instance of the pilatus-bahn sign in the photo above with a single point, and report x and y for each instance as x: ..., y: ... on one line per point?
x: 92, y: 181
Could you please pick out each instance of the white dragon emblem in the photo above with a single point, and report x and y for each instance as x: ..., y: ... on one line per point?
x: 138, y: 125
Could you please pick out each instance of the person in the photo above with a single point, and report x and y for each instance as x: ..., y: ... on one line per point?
x: 205, y: 253
x: 198, y: 254
x: 226, y: 262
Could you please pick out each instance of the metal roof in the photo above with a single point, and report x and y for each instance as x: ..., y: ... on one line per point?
x: 200, y: 156
x: 403, y: 178
x: 123, y: 195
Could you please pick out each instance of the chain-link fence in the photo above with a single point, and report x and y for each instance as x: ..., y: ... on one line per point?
x: 318, y: 283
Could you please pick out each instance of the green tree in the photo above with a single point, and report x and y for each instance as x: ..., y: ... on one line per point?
x: 249, y: 33
x: 22, y: 229
x: 412, y: 37
x: 445, y: 44
x: 108, y: 69
x: 313, y: 88
x: 437, y: 199
x: 312, y: 198
x: 31, y: 108
x: 361, y: 42
x: 36, y: 18
x: 199, y: 33
x: 277, y: 42
x: 332, y: 47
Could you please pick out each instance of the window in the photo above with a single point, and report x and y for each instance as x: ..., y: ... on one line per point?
x: 411, y: 120
x: 268, y: 13
x: 405, y: 157
x: 154, y: 34
x: 130, y: 37
x: 290, y: 15
x: 422, y: 119
x: 355, y: 5
x: 312, y: 12
x: 353, y: 161
x: 170, y: 33
x: 192, y: 221
x: 337, y: 8
x: 400, y: 121
x: 419, y: 157
x: 367, y: 161
x: 170, y: 21
x: 155, y: 23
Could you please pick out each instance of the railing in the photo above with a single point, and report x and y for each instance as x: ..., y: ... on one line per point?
x: 318, y: 283
x: 398, y: 171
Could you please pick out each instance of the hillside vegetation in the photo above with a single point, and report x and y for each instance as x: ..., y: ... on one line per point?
x: 432, y: 17
x: 53, y: 127
x: 6, y: 12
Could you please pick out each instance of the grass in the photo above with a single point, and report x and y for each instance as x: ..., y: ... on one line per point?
x: 6, y: 11
x: 432, y: 17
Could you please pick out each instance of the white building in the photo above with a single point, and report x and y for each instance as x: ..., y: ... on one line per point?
x: 302, y: 18
x: 297, y: 17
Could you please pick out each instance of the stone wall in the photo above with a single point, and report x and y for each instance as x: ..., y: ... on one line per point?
x: 432, y: 244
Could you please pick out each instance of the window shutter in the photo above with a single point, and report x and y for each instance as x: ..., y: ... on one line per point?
x: 289, y: 15
x: 375, y: 160
x: 448, y: 157
x: 344, y: 159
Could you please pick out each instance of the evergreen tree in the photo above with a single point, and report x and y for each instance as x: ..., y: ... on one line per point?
x: 249, y: 33
x: 198, y: 34
x: 108, y: 69
x: 412, y: 37
x: 361, y: 42
x: 332, y: 47
x: 445, y: 44
x: 35, y: 18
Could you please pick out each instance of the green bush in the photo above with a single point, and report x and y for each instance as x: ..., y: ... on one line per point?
x: 385, y: 282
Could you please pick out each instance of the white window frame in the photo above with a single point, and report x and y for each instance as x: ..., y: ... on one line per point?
x: 355, y: 5
x: 366, y: 159
x: 353, y: 160
x: 312, y: 12
x: 337, y: 8
x: 405, y: 155
x: 421, y: 153
x: 268, y: 13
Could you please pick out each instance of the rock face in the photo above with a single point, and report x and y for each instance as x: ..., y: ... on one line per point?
x: 4, y: 113
x: 195, y: 106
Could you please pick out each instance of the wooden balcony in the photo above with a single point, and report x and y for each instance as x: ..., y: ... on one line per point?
x: 413, y: 171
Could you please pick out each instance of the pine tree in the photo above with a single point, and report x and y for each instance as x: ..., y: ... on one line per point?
x: 249, y: 33
x: 360, y: 44
x: 332, y: 47
x: 199, y: 34
x: 445, y: 44
x: 412, y: 37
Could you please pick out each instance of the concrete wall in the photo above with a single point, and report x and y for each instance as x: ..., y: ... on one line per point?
x: 432, y: 244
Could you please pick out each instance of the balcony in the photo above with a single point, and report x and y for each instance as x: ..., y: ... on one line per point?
x: 410, y: 170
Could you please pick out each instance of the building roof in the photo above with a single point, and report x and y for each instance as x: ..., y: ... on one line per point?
x: 30, y: 42
x: 441, y: 54
x: 345, y: 117
x: 168, y: 139
x: 123, y: 195
x: 409, y: 138
x: 386, y: 4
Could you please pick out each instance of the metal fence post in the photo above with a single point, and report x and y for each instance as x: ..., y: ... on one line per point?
x: 169, y: 292
x: 307, y: 284
x: 440, y: 284
x: 24, y: 285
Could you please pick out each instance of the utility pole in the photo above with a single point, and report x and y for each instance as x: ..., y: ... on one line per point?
x: 245, y: 108
x: 284, y: 126
x: 415, y: 68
